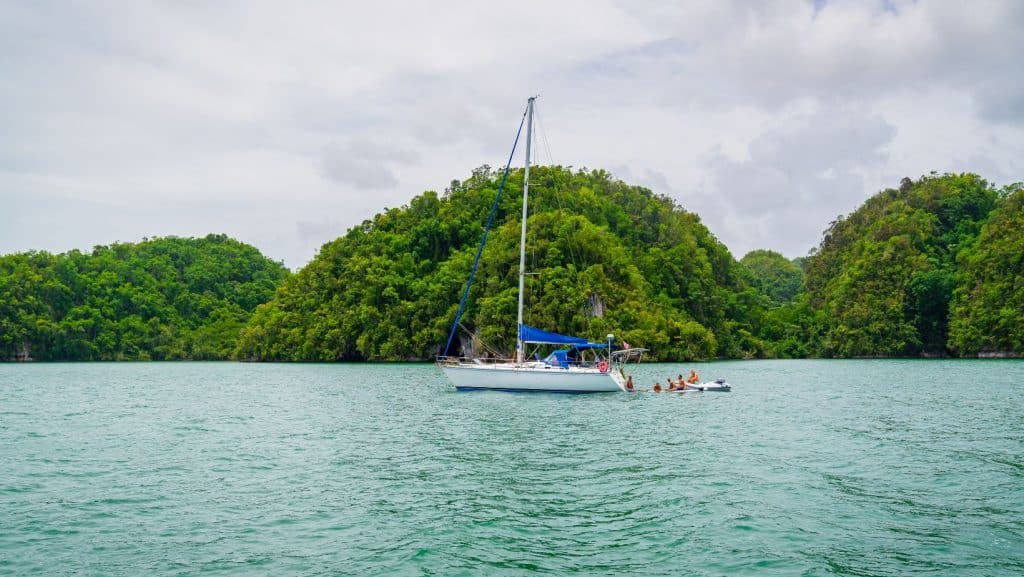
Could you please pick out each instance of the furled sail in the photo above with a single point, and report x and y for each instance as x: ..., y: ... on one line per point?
x: 534, y: 335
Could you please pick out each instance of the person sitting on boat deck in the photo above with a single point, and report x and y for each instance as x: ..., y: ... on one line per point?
x: 629, y: 383
x: 657, y: 387
x: 682, y: 384
x: 672, y: 386
x: 694, y: 378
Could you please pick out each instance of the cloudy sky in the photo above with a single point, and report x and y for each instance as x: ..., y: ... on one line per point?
x: 283, y: 124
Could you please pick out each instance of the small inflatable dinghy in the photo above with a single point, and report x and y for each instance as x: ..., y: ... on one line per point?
x: 718, y: 385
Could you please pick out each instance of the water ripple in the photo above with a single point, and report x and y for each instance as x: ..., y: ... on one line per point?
x: 808, y: 467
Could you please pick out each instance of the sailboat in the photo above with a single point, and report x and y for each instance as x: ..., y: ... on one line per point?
x: 580, y: 366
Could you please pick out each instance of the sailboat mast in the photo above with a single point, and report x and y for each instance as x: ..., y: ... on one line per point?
x: 522, y: 239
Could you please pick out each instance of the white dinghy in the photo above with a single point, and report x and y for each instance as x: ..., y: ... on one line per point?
x: 715, y: 386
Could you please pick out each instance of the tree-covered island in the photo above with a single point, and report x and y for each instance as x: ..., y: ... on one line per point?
x: 160, y: 299
x: 933, y: 267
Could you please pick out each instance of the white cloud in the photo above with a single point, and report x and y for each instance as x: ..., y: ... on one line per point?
x: 799, y: 176
x: 284, y: 125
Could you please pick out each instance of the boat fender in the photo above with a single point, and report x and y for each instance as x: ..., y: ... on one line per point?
x: 603, y: 366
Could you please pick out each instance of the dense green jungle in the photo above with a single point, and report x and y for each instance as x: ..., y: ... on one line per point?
x: 934, y: 267
x: 159, y: 299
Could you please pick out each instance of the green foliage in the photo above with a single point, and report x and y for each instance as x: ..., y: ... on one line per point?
x: 882, y: 279
x: 775, y: 276
x: 933, y: 267
x: 389, y: 289
x: 987, y: 312
x: 165, y: 298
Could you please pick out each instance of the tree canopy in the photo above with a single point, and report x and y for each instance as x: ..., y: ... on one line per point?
x: 163, y: 298
x: 777, y: 277
x: 987, y: 308
x: 882, y: 281
x: 603, y: 257
x: 933, y: 267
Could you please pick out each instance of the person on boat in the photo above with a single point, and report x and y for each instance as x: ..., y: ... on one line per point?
x: 694, y: 378
x: 657, y: 387
x: 629, y: 383
x: 682, y: 384
x: 673, y: 386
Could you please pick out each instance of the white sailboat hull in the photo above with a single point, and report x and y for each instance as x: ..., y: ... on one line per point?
x: 520, y: 375
x: 510, y: 377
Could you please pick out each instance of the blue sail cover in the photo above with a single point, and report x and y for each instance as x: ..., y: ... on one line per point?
x: 529, y: 334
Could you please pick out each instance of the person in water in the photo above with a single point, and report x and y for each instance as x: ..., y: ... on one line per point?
x: 657, y: 387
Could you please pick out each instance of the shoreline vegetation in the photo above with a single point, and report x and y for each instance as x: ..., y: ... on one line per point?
x: 932, y: 268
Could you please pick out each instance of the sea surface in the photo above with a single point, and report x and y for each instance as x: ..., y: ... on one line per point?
x: 869, y: 468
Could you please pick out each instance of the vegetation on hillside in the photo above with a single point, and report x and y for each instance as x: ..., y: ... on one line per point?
x: 987, y: 307
x: 774, y: 275
x: 933, y: 267
x: 603, y: 257
x: 164, y: 298
x: 882, y: 281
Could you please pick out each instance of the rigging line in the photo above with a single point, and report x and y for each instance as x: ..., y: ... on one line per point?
x: 483, y: 241
x: 488, y: 348
x: 539, y: 123
x: 535, y: 349
x: 555, y: 193
x: 558, y: 200
x: 544, y: 136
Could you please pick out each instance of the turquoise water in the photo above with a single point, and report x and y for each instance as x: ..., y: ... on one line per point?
x: 806, y: 468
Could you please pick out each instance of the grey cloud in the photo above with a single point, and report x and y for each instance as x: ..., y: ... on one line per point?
x: 1002, y: 102
x: 769, y: 54
x: 654, y: 180
x: 797, y: 179
x: 443, y: 110
x: 116, y: 111
x: 320, y: 229
x: 365, y: 164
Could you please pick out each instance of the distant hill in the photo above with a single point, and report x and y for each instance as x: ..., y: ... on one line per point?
x: 163, y: 298
x: 777, y: 277
x: 934, y: 267
x: 930, y: 268
x: 604, y: 257
x: 987, y: 306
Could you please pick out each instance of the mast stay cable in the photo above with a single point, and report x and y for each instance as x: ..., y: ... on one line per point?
x: 483, y: 241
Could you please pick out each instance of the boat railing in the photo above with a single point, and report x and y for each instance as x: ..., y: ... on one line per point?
x: 624, y: 356
x: 462, y: 361
x: 452, y: 361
